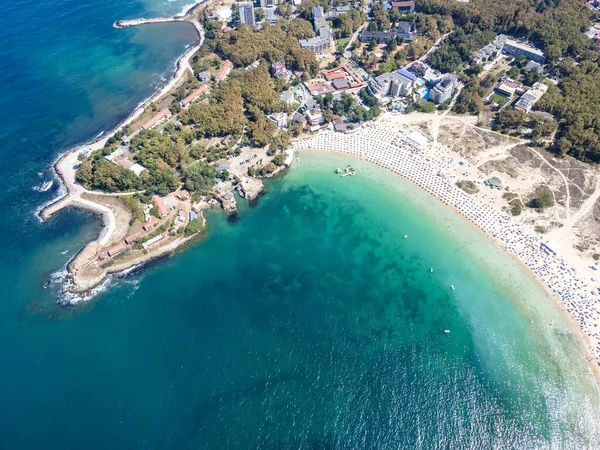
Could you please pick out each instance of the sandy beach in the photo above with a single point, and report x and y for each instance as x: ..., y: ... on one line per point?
x: 561, y: 276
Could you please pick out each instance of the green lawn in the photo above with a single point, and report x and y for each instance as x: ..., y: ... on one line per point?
x: 500, y: 99
x: 341, y: 44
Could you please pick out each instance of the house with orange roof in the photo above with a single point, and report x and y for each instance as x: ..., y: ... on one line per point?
x: 224, y: 70
x: 162, y: 115
x: 115, y: 250
x: 134, y: 237
x: 404, y: 5
x: 193, y: 96
x: 162, y: 211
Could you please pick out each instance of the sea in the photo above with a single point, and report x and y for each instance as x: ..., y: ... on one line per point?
x: 335, y: 313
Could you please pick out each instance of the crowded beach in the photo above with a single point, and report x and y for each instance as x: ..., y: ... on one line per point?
x: 396, y: 149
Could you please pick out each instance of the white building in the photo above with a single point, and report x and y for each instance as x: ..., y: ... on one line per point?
x: 531, y: 97
x: 279, y: 119
x: 443, y: 90
x: 416, y: 140
x: 246, y: 10
x: 517, y: 49
x: 314, y: 118
x: 393, y: 84
x: 324, y: 41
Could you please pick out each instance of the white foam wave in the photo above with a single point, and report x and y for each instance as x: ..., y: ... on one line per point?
x: 186, y: 8
x: 43, y: 187
x: 69, y: 298
x: 60, y: 193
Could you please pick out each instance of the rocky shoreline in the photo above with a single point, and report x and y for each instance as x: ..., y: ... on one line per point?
x: 66, y: 163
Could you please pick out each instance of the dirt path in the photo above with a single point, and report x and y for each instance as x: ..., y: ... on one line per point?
x: 588, y: 204
x: 562, y: 175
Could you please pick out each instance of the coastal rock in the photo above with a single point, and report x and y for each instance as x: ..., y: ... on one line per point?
x: 249, y: 188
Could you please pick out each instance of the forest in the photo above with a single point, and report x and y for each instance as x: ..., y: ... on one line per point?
x: 236, y: 107
x: 557, y: 27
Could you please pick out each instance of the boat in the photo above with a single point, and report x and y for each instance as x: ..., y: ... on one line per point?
x: 452, y: 286
x: 446, y: 331
x: 338, y: 170
x: 431, y: 269
x: 405, y: 236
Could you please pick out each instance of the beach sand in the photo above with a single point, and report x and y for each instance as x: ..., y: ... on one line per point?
x: 569, y: 293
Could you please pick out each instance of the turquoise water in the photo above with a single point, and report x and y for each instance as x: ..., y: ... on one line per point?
x: 307, y: 323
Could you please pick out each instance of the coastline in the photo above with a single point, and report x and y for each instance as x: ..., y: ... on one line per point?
x: 584, y: 341
x: 70, y: 193
x: 64, y: 169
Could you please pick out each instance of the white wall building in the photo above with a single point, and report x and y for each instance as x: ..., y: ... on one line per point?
x: 416, y: 140
x: 246, y: 10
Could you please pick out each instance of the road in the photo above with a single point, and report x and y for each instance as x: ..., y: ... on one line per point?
x: 434, y: 47
x: 347, y: 52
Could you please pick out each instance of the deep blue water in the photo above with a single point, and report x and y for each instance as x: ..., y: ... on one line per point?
x: 309, y: 323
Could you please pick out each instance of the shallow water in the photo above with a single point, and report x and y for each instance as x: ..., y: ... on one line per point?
x: 308, y: 323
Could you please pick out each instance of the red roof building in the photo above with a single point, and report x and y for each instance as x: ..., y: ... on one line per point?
x: 134, y: 237
x: 318, y: 88
x: 162, y: 211
x: 343, y: 72
x: 150, y: 225
x: 116, y: 250
x: 405, y: 5
x: 163, y: 115
x: 224, y: 70
x: 193, y: 96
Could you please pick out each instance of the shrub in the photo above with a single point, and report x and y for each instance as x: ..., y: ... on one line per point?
x: 193, y: 227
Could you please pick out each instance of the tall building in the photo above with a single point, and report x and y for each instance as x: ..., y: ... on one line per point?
x: 323, y: 42
x: 246, y: 10
x: 393, y: 84
x: 268, y: 3
x: 443, y: 90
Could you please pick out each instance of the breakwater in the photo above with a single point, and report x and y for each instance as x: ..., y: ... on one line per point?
x: 189, y: 17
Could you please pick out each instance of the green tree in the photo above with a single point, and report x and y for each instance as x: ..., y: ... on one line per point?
x: 259, y: 13
x: 392, y: 45
x: 198, y: 177
x: 84, y: 174
x: 279, y: 159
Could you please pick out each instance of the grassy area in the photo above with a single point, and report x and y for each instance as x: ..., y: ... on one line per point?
x: 499, y: 99
x: 341, y: 44
x: 468, y: 186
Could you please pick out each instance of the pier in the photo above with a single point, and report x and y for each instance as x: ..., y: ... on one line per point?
x: 143, y: 21
x: 189, y: 17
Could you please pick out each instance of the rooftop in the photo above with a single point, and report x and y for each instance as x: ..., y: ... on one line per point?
x: 417, y: 137
x: 194, y: 95
x: 164, y: 114
x: 224, y: 70
x: 407, y: 74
